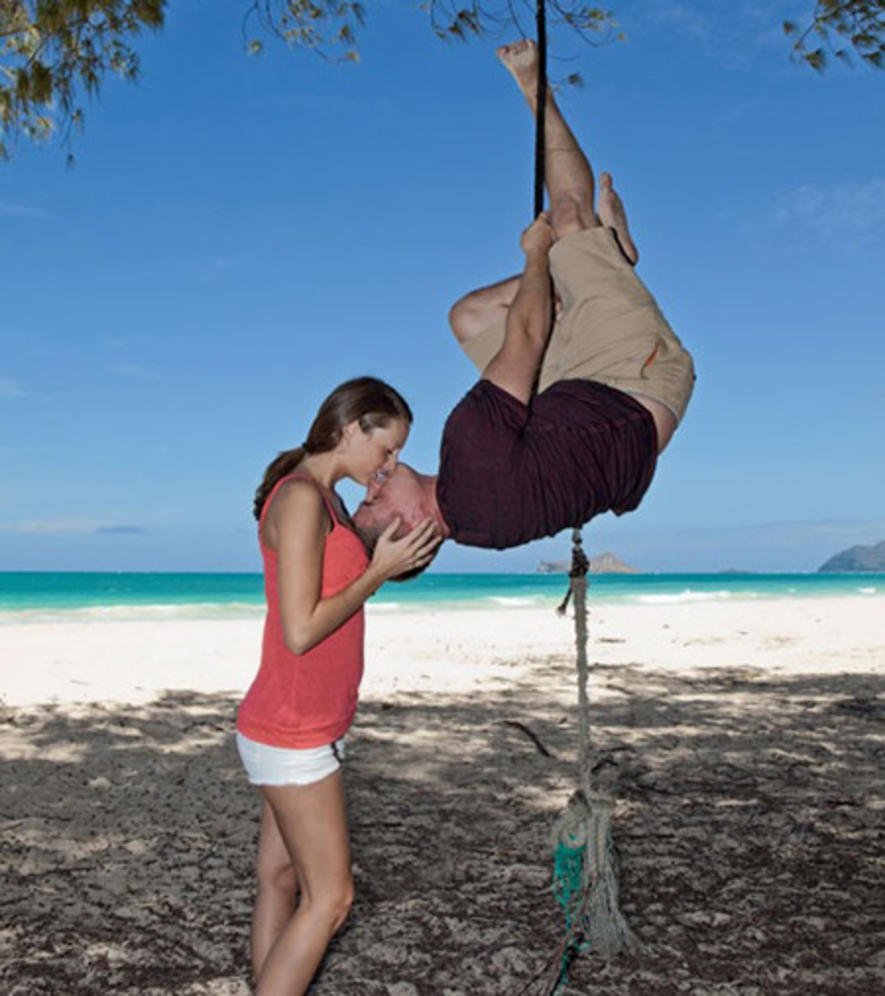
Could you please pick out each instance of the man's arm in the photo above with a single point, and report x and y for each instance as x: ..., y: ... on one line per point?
x: 529, y: 318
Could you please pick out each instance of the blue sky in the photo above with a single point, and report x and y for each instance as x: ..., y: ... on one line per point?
x: 240, y: 234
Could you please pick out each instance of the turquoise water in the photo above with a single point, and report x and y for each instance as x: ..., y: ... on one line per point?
x: 123, y: 595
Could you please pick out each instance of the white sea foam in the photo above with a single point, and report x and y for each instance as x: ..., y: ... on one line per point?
x: 867, y: 591
x: 691, y: 596
x: 514, y: 601
x: 134, y: 613
x: 383, y: 606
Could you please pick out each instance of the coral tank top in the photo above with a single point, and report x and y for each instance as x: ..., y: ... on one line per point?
x: 307, y: 700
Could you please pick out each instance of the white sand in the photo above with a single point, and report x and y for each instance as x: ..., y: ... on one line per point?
x: 739, y: 740
x: 442, y: 650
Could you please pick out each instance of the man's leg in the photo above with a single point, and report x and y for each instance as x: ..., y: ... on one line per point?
x: 570, y: 185
x: 568, y: 174
x: 481, y: 309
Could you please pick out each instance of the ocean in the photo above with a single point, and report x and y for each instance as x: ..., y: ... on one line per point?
x: 48, y: 596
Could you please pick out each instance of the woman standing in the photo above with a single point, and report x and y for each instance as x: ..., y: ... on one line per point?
x: 317, y: 576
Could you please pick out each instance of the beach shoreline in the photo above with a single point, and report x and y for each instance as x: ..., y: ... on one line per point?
x: 445, y: 649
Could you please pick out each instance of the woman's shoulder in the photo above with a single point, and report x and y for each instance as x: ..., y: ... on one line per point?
x: 301, y: 492
x: 297, y: 508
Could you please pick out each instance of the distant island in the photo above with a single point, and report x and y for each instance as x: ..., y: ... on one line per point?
x: 602, y: 563
x: 856, y: 559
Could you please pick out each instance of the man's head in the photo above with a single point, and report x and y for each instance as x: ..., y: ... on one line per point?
x: 404, y: 494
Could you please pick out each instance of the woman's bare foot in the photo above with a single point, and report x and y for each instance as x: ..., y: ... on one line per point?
x: 612, y: 215
x: 521, y: 58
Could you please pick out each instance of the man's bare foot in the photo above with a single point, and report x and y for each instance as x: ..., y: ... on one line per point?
x: 612, y: 215
x: 521, y: 58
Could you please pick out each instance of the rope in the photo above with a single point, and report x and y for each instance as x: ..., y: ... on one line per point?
x: 578, y: 587
x: 584, y: 877
x: 541, y: 111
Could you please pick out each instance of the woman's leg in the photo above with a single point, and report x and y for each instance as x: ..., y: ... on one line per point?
x: 312, y: 821
x: 277, y: 888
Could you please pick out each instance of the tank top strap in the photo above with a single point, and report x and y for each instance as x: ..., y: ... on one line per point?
x: 300, y: 476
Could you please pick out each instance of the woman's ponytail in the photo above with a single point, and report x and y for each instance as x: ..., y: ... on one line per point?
x: 284, y: 464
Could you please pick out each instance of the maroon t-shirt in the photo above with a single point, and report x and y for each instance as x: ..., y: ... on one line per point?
x: 510, y: 473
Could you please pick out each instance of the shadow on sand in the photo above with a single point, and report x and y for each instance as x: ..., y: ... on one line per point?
x: 745, y: 824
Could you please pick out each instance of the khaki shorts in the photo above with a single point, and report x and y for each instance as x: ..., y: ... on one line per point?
x: 609, y: 329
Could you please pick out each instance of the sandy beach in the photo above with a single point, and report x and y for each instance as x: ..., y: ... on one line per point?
x: 745, y: 745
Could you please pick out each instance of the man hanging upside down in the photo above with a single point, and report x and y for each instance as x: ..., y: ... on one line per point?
x: 571, y: 411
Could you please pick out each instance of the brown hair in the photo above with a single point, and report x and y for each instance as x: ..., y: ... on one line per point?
x: 366, y: 400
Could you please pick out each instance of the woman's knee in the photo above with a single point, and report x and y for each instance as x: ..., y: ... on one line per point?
x: 340, y: 900
x: 345, y: 902
x: 332, y: 905
x: 277, y: 876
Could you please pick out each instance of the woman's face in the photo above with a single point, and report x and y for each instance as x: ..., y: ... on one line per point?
x: 372, y: 455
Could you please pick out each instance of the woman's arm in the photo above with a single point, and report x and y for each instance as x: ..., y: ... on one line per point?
x: 301, y: 524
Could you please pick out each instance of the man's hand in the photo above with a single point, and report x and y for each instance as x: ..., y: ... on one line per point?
x: 539, y: 236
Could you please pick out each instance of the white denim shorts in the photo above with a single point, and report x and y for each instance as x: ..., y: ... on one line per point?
x: 266, y: 765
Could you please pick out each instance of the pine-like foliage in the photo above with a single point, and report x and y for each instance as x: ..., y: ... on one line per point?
x: 55, y: 53
x: 840, y: 28
x: 51, y: 50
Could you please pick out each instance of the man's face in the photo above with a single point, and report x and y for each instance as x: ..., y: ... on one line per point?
x: 399, y: 495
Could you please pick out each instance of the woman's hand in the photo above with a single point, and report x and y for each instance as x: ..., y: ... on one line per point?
x: 539, y: 236
x: 394, y: 557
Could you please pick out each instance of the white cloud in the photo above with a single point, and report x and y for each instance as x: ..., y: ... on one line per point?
x: 10, y: 389
x: 70, y: 527
x: 845, y: 212
x: 784, y: 535
x: 125, y: 369
x: 684, y: 18
x: 733, y: 34
x: 9, y: 209
x: 48, y: 527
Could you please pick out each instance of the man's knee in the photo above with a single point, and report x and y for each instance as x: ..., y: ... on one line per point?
x: 463, y: 321
x: 569, y: 214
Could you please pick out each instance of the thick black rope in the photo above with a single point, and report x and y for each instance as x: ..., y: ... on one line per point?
x: 541, y: 112
x: 580, y: 564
